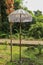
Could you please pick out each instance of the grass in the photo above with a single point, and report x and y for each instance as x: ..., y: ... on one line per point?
x: 27, y: 53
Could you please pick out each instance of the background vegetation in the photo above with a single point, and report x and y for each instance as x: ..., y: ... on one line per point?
x: 33, y: 30
x: 30, y: 30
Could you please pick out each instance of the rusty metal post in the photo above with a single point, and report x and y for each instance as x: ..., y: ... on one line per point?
x: 20, y: 38
x: 11, y: 39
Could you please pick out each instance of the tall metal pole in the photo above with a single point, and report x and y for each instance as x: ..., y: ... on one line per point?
x: 11, y: 38
x: 20, y: 38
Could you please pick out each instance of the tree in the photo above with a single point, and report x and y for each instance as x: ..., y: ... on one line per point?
x: 17, y: 4
x: 5, y: 24
x: 37, y: 13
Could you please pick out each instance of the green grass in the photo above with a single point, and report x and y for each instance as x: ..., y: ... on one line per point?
x: 31, y: 54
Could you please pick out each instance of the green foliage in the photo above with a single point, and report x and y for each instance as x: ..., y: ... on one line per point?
x: 36, y: 30
x: 17, y: 4
x: 5, y: 47
x: 27, y: 56
x: 40, y: 49
x: 15, y: 36
x: 4, y: 23
x: 37, y: 13
x: 4, y: 35
x: 40, y: 18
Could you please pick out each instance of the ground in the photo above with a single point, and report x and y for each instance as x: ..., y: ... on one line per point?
x: 30, y: 55
x: 35, y: 42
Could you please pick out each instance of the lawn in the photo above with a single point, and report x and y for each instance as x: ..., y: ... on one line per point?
x: 30, y: 55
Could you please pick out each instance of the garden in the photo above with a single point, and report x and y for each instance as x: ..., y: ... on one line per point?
x: 31, y: 53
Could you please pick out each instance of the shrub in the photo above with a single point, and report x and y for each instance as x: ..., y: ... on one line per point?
x: 4, y: 36
x: 36, y: 30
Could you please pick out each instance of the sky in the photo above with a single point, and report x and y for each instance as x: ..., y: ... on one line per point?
x: 33, y: 4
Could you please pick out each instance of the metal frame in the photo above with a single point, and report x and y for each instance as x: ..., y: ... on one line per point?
x: 25, y: 16
x: 11, y: 38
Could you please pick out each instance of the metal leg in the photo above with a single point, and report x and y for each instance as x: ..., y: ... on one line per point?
x: 20, y: 40
x: 11, y: 39
x: 20, y: 46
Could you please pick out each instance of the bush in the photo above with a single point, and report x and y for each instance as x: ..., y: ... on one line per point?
x: 4, y: 36
x: 36, y: 30
x: 40, y: 49
x: 15, y: 36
